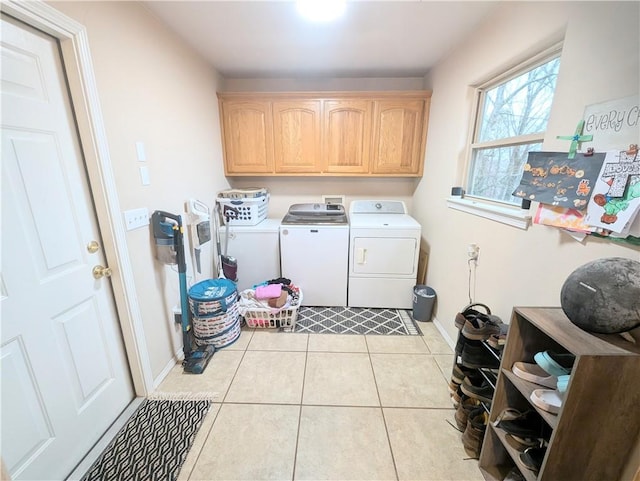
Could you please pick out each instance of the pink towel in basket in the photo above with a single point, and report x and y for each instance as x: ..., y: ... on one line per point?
x: 269, y: 291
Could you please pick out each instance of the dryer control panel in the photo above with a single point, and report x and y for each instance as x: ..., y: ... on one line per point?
x: 378, y: 207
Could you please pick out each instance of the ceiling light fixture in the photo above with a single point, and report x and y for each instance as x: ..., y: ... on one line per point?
x: 321, y: 10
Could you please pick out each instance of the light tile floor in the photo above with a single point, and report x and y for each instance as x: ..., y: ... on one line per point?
x: 327, y: 407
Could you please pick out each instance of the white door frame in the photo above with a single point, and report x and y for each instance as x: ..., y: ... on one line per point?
x: 78, y: 67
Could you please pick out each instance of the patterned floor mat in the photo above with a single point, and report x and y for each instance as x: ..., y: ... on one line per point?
x: 355, y: 320
x: 153, y: 444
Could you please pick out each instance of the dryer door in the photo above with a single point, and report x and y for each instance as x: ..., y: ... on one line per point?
x: 384, y: 256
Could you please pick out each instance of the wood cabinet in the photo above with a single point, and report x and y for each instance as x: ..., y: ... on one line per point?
x: 247, y: 133
x: 347, y: 134
x: 598, y: 424
x: 398, y: 139
x: 296, y: 132
x: 325, y: 133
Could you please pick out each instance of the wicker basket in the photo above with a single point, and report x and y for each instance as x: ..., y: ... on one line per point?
x: 284, y: 318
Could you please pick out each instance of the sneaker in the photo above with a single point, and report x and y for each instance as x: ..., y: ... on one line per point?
x: 478, y: 389
x: 466, y: 405
x: 532, y: 458
x: 514, y: 475
x: 534, y: 373
x: 460, y: 344
x: 476, y: 355
x: 479, y: 328
x: 549, y: 400
x: 467, y: 313
x: 555, y: 364
x: 521, y: 425
x: 497, y: 341
x: 459, y: 372
x: 474, y: 432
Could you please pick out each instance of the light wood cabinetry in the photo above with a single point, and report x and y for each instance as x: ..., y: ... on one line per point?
x: 296, y: 132
x: 247, y: 133
x: 598, y: 423
x: 325, y: 133
x: 399, y: 134
x: 347, y: 134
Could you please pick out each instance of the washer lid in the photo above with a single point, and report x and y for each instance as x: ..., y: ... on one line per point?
x: 316, y: 214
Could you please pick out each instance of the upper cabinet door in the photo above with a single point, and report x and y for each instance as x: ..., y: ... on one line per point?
x: 398, y: 138
x: 296, y: 127
x: 347, y: 136
x: 248, y: 137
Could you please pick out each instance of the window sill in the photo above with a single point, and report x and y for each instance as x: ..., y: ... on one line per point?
x: 511, y: 216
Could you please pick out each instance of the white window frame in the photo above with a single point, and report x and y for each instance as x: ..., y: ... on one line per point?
x: 488, y: 208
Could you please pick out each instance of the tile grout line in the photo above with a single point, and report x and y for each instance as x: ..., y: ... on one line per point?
x: 384, y: 420
x: 195, y: 463
x: 304, y: 377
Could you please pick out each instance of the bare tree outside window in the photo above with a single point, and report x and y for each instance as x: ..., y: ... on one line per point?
x: 511, y: 121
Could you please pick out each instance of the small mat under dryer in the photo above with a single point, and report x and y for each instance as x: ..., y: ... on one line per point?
x: 355, y: 320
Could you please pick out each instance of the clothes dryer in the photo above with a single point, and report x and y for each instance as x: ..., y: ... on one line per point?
x: 384, y: 246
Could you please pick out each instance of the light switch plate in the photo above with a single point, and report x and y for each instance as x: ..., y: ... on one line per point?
x: 142, y: 156
x: 144, y: 175
x: 136, y: 218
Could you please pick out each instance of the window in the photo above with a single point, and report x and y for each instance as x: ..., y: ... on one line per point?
x: 511, y: 119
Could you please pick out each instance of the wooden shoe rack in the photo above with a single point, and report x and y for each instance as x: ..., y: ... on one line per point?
x: 598, y: 423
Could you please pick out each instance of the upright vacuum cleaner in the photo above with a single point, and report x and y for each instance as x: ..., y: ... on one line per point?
x: 169, y: 235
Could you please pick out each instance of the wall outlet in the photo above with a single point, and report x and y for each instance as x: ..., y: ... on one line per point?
x: 473, y: 251
x: 136, y: 218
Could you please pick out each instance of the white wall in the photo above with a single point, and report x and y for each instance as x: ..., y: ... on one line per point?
x: 600, y: 61
x: 153, y: 88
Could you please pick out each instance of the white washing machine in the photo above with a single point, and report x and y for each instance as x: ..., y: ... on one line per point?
x: 257, y: 250
x: 384, y: 246
x: 314, y: 250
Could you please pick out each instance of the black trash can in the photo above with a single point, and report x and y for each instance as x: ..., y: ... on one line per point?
x: 424, y: 297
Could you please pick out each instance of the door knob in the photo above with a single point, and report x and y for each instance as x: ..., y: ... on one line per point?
x: 92, y: 247
x: 101, y: 271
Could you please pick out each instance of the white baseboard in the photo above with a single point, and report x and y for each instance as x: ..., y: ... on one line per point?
x: 444, y: 333
x: 177, y: 357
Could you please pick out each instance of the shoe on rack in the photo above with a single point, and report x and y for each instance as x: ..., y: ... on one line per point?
x: 554, y: 363
x: 456, y: 396
x: 532, y: 458
x: 479, y: 328
x: 497, y: 341
x: 514, y: 475
x: 534, y: 373
x: 549, y: 400
x: 476, y: 355
x: 521, y: 425
x: 466, y: 405
x: 477, y: 388
x: 459, y: 372
x: 468, y: 312
x: 460, y: 342
x: 520, y: 444
x: 474, y: 432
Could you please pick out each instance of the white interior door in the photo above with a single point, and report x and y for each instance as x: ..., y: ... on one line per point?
x: 65, y: 376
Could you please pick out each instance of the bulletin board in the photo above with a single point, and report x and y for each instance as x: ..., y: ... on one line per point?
x: 594, y: 188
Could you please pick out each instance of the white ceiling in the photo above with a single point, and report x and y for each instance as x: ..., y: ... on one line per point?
x: 268, y: 39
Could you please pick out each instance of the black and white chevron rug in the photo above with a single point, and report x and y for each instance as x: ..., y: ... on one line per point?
x: 355, y: 320
x: 153, y: 444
